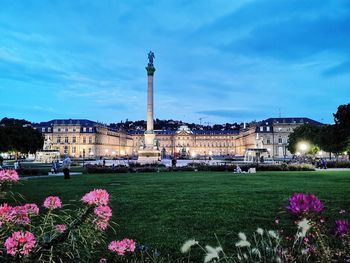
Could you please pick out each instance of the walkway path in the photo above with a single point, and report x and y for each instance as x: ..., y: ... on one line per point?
x: 49, y: 175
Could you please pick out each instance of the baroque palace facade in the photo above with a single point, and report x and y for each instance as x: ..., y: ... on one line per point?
x: 85, y: 138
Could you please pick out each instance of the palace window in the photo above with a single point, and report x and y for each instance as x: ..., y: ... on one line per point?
x: 59, y: 129
x: 268, y: 141
x: 90, y: 129
x: 261, y: 128
x: 90, y: 140
x: 84, y: 129
x: 74, y: 140
x: 49, y: 129
x: 58, y: 139
x: 66, y: 139
x: 74, y: 149
x: 66, y: 129
x: 42, y: 129
x: 268, y: 129
x: 74, y: 129
x: 280, y: 140
x: 84, y: 140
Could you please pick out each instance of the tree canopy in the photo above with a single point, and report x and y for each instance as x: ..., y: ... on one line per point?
x: 333, y: 138
x: 19, y: 136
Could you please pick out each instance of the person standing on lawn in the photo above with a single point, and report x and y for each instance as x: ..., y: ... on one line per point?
x: 66, y: 166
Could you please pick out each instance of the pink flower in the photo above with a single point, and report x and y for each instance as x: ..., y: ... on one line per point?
x: 96, y: 197
x: 32, y: 209
x: 122, y: 246
x: 20, y: 243
x: 6, y: 214
x: 342, y: 227
x: 103, y: 214
x: 277, y: 221
x: 10, y: 176
x: 61, y: 228
x: 52, y: 202
x: 301, y: 203
x: 103, y: 260
x: 20, y: 215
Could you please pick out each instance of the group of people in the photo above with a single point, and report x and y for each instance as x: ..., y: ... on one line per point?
x: 65, y: 167
x: 321, y: 163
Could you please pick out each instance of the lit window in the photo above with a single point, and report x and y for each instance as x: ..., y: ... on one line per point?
x: 268, y: 128
x: 261, y: 128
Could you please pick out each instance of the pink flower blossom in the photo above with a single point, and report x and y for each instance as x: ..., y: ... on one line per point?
x: 20, y: 215
x: 9, y: 176
x: 32, y: 209
x: 103, y: 260
x: 61, y: 228
x: 103, y: 214
x: 6, y: 214
x: 52, y: 202
x: 342, y: 227
x: 301, y: 203
x: 122, y: 246
x: 96, y: 197
x: 20, y: 243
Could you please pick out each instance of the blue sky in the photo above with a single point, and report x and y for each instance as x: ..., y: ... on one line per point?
x: 226, y: 61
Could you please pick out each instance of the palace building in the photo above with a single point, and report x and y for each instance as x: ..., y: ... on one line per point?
x: 85, y: 138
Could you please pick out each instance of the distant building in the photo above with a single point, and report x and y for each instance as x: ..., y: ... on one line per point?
x: 274, y: 133
x: 85, y: 138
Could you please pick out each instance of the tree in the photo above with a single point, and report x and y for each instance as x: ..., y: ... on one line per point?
x: 330, y: 140
x: 342, y: 126
x: 19, y: 136
x: 305, y: 132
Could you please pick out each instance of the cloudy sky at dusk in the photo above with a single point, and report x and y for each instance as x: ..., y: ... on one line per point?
x: 224, y: 60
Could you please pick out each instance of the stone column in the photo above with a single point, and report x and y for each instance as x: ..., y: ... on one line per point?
x: 150, y: 72
x: 149, y: 134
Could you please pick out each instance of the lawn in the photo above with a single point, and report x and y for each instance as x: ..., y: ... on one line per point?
x: 163, y: 210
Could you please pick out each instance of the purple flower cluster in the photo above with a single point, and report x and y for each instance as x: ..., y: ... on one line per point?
x: 301, y: 203
x: 342, y: 227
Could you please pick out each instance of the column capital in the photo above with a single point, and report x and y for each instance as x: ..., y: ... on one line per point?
x: 150, y: 70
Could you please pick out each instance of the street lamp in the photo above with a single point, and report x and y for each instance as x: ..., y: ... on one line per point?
x: 83, y: 157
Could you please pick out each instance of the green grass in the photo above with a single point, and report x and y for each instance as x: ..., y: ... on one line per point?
x: 164, y: 209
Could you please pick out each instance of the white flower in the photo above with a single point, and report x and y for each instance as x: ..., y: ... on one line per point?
x: 212, y: 253
x: 278, y: 260
x: 243, y: 243
x: 256, y: 251
x: 303, y: 227
x: 245, y: 256
x: 242, y: 236
x: 305, y: 251
x: 187, y: 245
x: 272, y: 234
x: 260, y: 231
